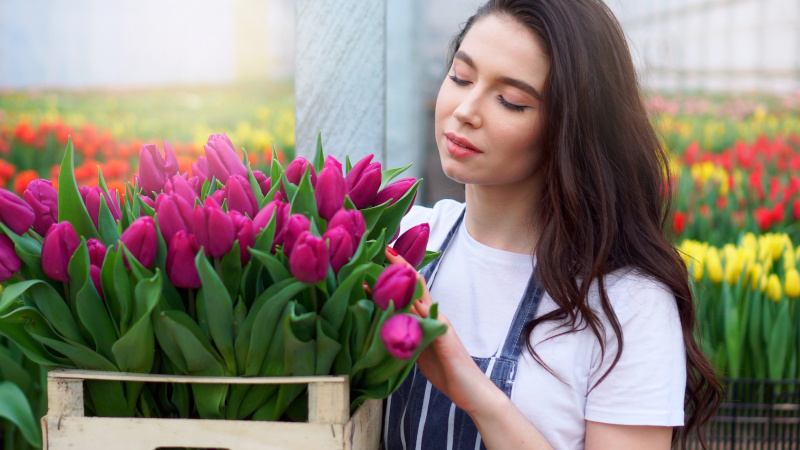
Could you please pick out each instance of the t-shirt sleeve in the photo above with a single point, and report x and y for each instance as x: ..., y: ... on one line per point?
x: 647, y: 385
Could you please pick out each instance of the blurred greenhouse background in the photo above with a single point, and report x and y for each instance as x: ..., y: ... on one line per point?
x: 721, y: 80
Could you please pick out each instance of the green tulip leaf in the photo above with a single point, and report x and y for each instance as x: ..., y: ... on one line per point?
x: 26, y: 244
x: 328, y: 346
x: 372, y: 215
x: 70, y: 204
x: 232, y: 270
x: 319, y: 157
x: 429, y: 258
x: 361, y: 313
x: 172, y: 298
x: 275, y: 171
x: 81, y: 356
x: 254, y: 184
x: 344, y: 361
x: 49, y: 303
x: 15, y: 408
x: 87, y: 304
x: 13, y: 325
x: 266, y: 316
x: 137, y: 269
x: 374, y: 351
x: 359, y: 257
x: 276, y: 269
x: 266, y: 237
x: 376, y: 248
x: 108, y: 283
x: 388, y: 175
x: 106, y: 224
x: 11, y: 370
x: 135, y: 350
x: 335, y: 309
x: 217, y: 303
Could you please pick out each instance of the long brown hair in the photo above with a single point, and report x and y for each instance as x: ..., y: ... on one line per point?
x: 606, y: 195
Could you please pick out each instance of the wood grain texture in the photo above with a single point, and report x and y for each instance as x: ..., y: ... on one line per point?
x: 340, y: 77
x: 74, y: 374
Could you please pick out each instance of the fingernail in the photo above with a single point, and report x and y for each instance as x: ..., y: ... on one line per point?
x: 391, y: 251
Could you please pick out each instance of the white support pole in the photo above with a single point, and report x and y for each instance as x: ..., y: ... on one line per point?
x: 340, y: 77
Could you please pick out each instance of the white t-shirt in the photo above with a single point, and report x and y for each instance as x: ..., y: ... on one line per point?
x: 479, y: 288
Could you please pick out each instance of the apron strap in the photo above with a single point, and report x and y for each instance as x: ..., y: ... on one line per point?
x: 429, y: 271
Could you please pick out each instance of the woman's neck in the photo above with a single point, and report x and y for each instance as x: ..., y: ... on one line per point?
x: 501, y: 217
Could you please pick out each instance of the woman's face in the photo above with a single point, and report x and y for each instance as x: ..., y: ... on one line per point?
x: 489, y: 109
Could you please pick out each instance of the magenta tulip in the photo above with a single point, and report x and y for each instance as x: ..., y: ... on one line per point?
x: 92, y: 201
x: 94, y: 274
x: 59, y: 245
x: 309, y: 261
x: 281, y: 211
x: 9, y: 260
x: 411, y: 245
x: 200, y: 169
x: 330, y: 161
x: 264, y: 182
x: 174, y: 214
x: 141, y: 240
x: 240, y: 196
x: 42, y: 197
x: 154, y: 170
x: 97, y: 252
x: 222, y: 158
x: 402, y: 335
x: 330, y: 191
x: 352, y: 221
x: 394, y: 192
x: 298, y: 167
x: 179, y: 185
x: 363, y: 182
x: 213, y: 229
x: 181, y: 253
x: 295, y: 226
x: 147, y: 201
x: 341, y: 247
x: 396, y: 283
x: 245, y: 234
x: 15, y: 213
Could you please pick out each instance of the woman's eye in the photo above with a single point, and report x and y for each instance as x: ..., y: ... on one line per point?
x: 511, y: 106
x: 458, y: 81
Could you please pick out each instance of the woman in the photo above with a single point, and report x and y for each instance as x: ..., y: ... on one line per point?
x: 541, y: 119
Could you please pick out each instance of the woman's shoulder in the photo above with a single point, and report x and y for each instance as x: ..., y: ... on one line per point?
x: 638, y: 296
x: 440, y: 218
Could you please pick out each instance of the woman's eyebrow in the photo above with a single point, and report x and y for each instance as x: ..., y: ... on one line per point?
x: 519, y: 84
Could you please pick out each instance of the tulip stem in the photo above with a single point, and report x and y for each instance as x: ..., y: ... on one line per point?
x: 371, y: 334
x: 314, y: 298
x: 38, y: 238
x: 193, y: 304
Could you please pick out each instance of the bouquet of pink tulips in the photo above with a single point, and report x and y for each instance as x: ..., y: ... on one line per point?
x: 229, y: 272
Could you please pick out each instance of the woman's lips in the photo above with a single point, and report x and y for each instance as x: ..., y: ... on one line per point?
x: 459, y: 146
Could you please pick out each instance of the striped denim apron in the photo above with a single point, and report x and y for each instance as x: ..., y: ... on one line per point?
x: 419, y: 416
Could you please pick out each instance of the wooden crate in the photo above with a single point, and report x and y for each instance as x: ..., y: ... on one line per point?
x: 329, y: 423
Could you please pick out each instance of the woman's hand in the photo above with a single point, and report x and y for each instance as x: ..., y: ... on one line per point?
x: 446, y: 362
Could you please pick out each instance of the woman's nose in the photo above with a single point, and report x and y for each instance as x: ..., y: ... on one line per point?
x: 468, y: 111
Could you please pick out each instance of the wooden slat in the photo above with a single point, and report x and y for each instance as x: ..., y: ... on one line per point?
x: 328, y: 403
x: 74, y: 374
x: 64, y: 397
x: 103, y: 433
x: 363, y: 431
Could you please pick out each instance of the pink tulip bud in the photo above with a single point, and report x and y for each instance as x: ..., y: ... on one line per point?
x: 396, y: 283
x: 148, y: 201
x: 94, y: 273
x: 352, y: 221
x: 363, y: 182
x: 281, y: 211
x: 141, y: 240
x: 394, y: 192
x: 174, y: 214
x: 200, y: 169
x: 412, y: 244
x: 59, y: 245
x: 197, y: 184
x: 222, y: 158
x: 330, y: 161
x: 181, y: 253
x: 330, y: 191
x: 309, y: 261
x: 341, y: 246
x: 295, y: 226
x: 245, y: 234
x: 15, y: 213
x: 97, y: 252
x: 264, y: 182
x: 219, y: 196
x: 402, y: 335
x: 92, y: 201
x: 179, y: 185
x: 240, y: 196
x: 155, y: 170
x: 213, y: 229
x: 298, y: 167
x: 43, y: 199
x: 9, y: 260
